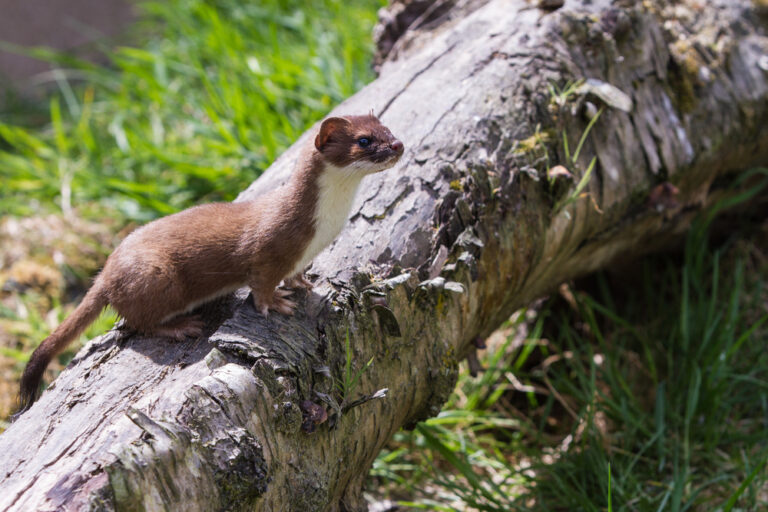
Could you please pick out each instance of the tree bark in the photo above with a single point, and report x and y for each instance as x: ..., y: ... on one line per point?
x: 438, y: 252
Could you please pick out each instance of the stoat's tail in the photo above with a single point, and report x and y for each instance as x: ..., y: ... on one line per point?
x: 83, y: 316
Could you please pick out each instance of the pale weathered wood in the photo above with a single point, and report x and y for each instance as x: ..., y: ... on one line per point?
x: 439, y: 251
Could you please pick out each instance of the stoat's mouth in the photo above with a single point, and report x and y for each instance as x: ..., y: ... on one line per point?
x: 388, y: 163
x: 393, y: 159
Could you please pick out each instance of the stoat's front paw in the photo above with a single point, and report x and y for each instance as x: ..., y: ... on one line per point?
x: 276, y: 301
x: 298, y: 281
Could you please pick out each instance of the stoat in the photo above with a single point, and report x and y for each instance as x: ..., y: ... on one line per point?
x: 165, y: 269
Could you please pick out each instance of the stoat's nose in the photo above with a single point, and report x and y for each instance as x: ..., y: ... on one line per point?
x: 397, y: 146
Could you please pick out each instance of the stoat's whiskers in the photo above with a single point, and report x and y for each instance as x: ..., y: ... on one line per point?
x: 369, y: 167
x: 363, y: 165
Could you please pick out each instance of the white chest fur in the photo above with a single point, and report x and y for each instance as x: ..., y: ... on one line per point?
x: 336, y: 192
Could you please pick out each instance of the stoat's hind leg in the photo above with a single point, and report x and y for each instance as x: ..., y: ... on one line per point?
x: 178, y: 328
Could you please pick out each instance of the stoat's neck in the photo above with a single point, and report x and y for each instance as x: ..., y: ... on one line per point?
x: 336, y: 189
x: 336, y: 193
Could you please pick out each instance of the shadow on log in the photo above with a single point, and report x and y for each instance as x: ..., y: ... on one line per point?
x: 475, y: 223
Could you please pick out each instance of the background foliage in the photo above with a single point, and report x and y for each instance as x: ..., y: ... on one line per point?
x: 640, y: 389
x: 214, y: 92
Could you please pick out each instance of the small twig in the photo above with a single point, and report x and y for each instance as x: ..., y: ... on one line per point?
x: 363, y: 399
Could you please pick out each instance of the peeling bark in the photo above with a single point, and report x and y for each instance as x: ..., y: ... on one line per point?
x: 438, y: 252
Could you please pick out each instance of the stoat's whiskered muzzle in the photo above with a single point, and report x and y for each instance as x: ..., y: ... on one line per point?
x: 387, y: 155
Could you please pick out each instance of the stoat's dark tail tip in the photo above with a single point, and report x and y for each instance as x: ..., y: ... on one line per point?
x: 29, y: 389
x: 24, y: 404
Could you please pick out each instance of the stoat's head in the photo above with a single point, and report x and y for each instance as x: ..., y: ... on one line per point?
x: 358, y: 144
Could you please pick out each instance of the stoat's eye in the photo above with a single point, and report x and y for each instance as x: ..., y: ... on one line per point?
x: 363, y: 142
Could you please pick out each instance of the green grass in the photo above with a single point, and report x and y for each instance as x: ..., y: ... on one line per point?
x: 214, y: 92
x: 644, y: 393
x: 28, y: 321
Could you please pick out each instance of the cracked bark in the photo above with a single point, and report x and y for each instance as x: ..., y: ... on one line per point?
x: 439, y: 251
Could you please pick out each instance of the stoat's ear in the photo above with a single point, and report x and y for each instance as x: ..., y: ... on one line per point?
x: 328, y: 128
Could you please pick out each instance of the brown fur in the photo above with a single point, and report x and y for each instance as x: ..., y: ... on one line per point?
x: 171, y: 265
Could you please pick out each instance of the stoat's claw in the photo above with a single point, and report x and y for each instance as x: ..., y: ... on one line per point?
x: 284, y: 306
x: 276, y: 302
x: 298, y: 281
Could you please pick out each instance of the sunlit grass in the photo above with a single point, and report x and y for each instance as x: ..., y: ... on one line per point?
x: 195, y: 113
